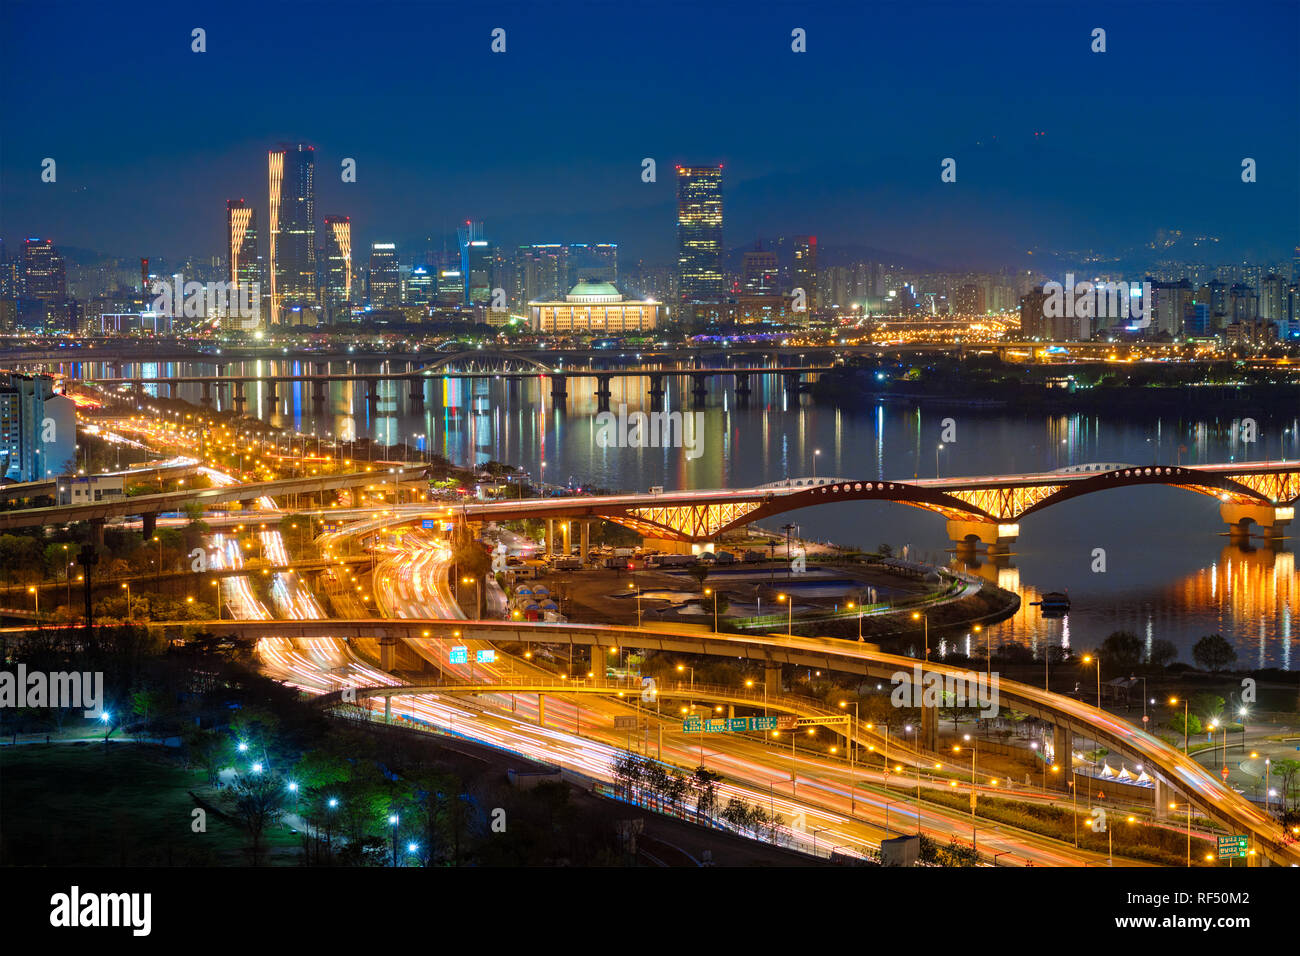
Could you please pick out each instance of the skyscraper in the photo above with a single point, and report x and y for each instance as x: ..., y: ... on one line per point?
x: 241, y: 244
x: 699, y: 233
x: 805, y: 269
x: 759, y: 273
x: 476, y: 263
x: 385, y: 286
x: 292, y: 234
x: 44, y: 275
x: 338, y: 267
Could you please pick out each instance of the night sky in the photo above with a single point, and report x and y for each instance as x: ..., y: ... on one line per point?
x: 545, y: 142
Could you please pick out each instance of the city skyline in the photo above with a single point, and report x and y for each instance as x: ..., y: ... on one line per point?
x: 1028, y: 178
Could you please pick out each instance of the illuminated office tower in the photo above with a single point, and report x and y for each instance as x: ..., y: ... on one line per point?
x: 241, y: 244
x: 291, y: 232
x: 44, y: 276
x: 385, y: 286
x: 477, y: 259
x: 699, y: 233
x: 541, y: 270
x: 419, y: 286
x: 759, y: 273
x: 338, y: 267
x: 805, y: 269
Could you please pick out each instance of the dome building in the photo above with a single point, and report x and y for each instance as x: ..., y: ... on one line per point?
x: 594, y: 307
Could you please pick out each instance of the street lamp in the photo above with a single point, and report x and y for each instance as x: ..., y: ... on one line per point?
x: 1088, y: 659
x: 217, y: 585
x: 1174, y: 701
x: 916, y: 756
x: 1174, y: 806
x: 36, y: 595
x: 924, y: 616
x: 988, y: 652
x: 816, y: 452
x: 938, y: 448
x: 682, y: 667
x: 859, y: 618
x: 789, y: 627
x: 128, y: 602
x: 974, y: 742
x: 853, y: 746
x: 632, y: 586
x: 707, y: 592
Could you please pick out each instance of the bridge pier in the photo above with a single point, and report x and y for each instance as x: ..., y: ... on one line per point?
x: 388, y: 654
x: 149, y: 524
x: 584, y: 529
x: 1062, y: 756
x: 416, y: 396
x: 271, y: 396
x: 743, y: 388
x: 699, y: 389
x: 967, y: 534
x: 772, y: 678
x: 602, y: 392
x: 550, y: 536
x: 1162, y: 797
x: 372, y: 393
x: 96, y: 534
x: 656, y: 392
x: 207, y: 393
x: 792, y: 381
x: 1270, y: 520
x: 930, y: 728
x: 238, y: 398
x: 559, y: 388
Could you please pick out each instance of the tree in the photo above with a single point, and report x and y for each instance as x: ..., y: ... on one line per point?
x: 1163, y: 653
x: 700, y: 572
x: 1287, y: 771
x: 704, y: 783
x: 258, y: 802
x: 1213, y: 653
x: 1122, y: 650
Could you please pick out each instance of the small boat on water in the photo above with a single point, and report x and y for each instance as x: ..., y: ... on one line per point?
x: 1053, y: 602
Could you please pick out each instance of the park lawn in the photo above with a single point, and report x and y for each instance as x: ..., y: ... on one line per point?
x: 124, y: 804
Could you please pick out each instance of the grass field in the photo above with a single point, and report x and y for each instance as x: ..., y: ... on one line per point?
x: 87, y: 804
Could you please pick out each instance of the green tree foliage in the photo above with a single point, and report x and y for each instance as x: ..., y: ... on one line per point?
x: 1213, y: 653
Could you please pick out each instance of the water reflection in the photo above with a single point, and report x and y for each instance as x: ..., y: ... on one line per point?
x: 1171, y: 576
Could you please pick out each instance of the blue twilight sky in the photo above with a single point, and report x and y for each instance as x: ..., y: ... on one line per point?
x: 545, y: 142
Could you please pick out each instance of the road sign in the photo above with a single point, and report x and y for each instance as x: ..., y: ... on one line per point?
x: 459, y: 655
x: 625, y: 723
x: 786, y: 722
x: 1224, y: 773
x: 429, y: 524
x: 1233, y: 846
x: 727, y: 725
x: 486, y: 656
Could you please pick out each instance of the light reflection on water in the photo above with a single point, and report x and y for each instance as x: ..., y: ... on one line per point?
x: 1170, y: 573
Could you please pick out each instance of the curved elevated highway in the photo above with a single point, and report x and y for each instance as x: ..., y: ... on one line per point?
x: 1168, y: 765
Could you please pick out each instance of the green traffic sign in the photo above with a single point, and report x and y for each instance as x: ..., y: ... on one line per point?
x: 1233, y: 846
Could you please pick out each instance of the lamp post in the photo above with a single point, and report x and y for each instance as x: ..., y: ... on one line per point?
x: 1089, y: 659
x: 925, y: 617
x: 851, y: 605
x: 816, y: 452
x: 916, y: 755
x: 988, y: 652
x: 217, y: 585
x: 683, y: 667
x: 127, y: 585
x: 1173, y: 701
x: 853, y: 746
x: 707, y: 592
x: 789, y: 627
x: 36, y: 595
x: 632, y: 586
x: 937, y: 448
x: 974, y: 742
x: 1174, y: 806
